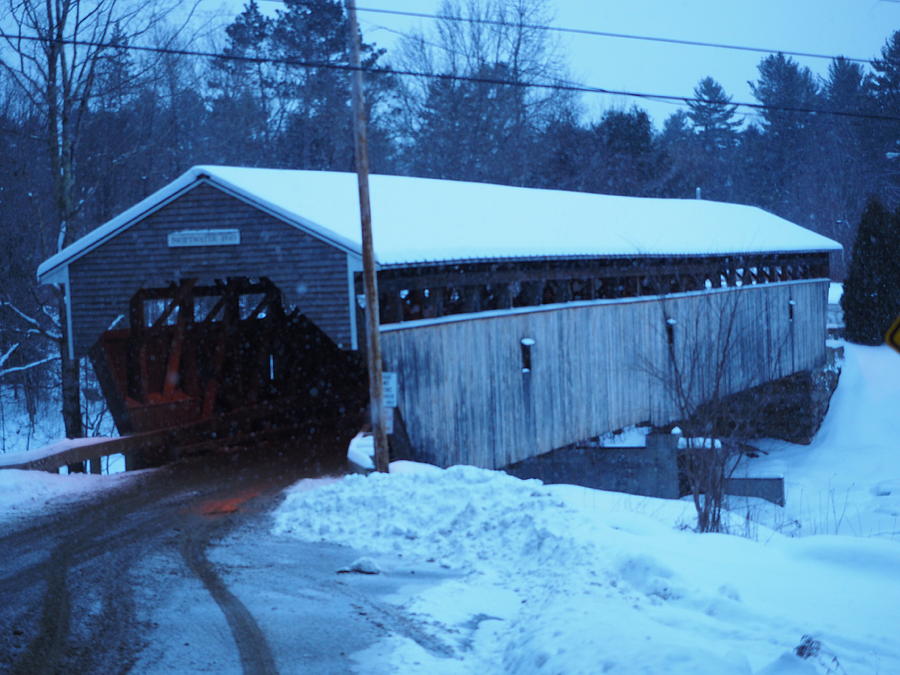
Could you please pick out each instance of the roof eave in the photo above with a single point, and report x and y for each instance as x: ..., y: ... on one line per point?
x: 53, y: 269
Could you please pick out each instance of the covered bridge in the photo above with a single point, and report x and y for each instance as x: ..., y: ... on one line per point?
x: 518, y: 320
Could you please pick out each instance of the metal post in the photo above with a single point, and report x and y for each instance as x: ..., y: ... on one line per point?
x: 376, y: 391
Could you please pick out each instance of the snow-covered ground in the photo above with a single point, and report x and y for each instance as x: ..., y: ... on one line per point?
x: 28, y: 493
x: 848, y: 480
x: 562, y: 579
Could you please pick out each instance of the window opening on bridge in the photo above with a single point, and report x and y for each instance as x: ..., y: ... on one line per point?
x: 526, y: 345
x: 154, y: 309
x: 251, y: 304
x: 670, y: 330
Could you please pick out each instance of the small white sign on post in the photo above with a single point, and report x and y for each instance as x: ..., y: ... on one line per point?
x: 389, y: 399
x: 389, y: 389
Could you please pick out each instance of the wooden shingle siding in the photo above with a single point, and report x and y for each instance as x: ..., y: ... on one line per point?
x: 595, y: 368
x: 311, y: 273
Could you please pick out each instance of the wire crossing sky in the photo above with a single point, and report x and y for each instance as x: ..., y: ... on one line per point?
x: 596, y: 33
x: 299, y: 63
x: 817, y: 29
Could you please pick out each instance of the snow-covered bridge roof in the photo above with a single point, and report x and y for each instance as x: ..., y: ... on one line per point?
x: 419, y: 220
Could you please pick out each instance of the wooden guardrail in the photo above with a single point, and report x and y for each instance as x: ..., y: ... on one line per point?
x: 76, y: 450
x: 255, y: 424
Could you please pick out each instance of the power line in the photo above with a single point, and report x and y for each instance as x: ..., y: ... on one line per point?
x: 424, y: 41
x: 598, y: 33
x: 447, y: 77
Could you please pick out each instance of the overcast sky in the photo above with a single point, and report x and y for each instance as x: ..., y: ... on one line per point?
x: 855, y: 28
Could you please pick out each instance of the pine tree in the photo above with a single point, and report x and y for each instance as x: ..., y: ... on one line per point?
x: 846, y: 172
x: 871, y: 298
x: 625, y: 158
x: 715, y: 126
x: 285, y: 115
x: 687, y: 168
x: 885, y: 90
x: 789, y: 148
x: 713, y: 116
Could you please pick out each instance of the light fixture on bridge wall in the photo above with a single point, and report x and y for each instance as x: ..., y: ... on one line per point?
x: 791, y: 305
x: 526, y: 344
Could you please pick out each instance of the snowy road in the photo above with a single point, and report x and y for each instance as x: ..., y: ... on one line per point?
x: 176, y: 572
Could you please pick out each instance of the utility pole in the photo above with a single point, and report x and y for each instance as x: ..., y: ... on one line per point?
x: 372, y: 313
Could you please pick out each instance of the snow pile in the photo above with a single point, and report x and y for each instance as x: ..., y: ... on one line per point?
x: 459, y: 516
x: 835, y: 292
x: 567, y: 579
x: 361, y: 451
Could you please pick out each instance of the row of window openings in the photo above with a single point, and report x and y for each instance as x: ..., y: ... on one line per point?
x: 646, y: 283
x: 153, y: 309
x: 515, y: 293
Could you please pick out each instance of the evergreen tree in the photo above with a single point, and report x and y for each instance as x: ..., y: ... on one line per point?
x: 465, y: 131
x: 562, y: 153
x: 293, y: 116
x: 687, y: 169
x: 789, y: 150
x: 714, y: 121
x: 244, y: 114
x: 625, y: 159
x: 871, y: 299
x: 885, y: 89
x: 845, y: 172
x: 713, y: 116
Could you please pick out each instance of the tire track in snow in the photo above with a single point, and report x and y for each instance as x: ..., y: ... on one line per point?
x: 255, y: 653
x: 42, y: 655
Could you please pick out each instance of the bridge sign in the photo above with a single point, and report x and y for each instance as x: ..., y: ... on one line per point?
x: 893, y: 335
x: 389, y: 389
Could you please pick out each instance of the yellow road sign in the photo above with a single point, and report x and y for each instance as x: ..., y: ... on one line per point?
x: 893, y: 335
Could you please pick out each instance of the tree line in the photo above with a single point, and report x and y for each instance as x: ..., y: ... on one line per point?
x: 88, y: 129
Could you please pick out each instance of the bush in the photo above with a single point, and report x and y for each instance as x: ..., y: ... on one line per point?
x: 871, y: 298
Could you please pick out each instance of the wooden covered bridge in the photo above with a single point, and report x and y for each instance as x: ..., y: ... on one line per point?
x: 518, y: 320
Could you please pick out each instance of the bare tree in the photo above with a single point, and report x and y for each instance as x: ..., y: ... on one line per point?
x: 52, y: 51
x: 708, y: 348
x: 480, y: 130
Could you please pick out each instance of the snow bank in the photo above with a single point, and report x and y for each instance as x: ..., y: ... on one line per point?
x: 567, y: 579
x: 847, y: 481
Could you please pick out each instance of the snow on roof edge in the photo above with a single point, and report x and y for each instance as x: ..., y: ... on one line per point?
x: 49, y: 270
x: 114, y: 226
x: 156, y: 200
x: 288, y: 216
x: 563, y: 257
